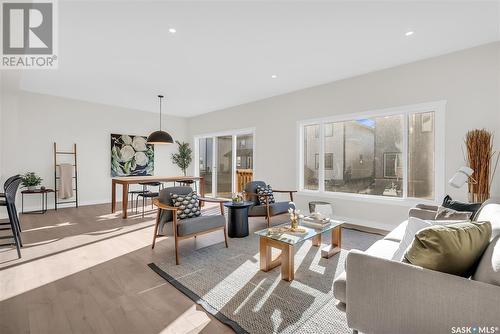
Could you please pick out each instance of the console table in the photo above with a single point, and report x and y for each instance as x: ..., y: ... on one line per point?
x: 44, y: 194
x: 126, y: 181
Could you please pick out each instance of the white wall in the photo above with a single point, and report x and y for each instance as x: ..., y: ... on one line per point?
x: 468, y: 80
x: 33, y: 122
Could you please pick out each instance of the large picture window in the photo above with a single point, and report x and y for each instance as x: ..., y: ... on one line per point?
x: 389, y: 153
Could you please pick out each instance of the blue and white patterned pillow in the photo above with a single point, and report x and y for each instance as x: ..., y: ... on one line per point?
x: 267, y: 190
x: 188, y: 205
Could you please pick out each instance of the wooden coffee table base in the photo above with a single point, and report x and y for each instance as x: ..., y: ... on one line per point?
x: 286, y: 257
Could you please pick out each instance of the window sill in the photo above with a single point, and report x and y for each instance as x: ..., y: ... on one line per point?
x: 408, y: 202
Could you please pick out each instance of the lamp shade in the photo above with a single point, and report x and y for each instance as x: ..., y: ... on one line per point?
x: 160, y: 137
x: 461, y: 177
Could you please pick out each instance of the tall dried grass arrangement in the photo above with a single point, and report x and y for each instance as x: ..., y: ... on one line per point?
x: 480, y: 155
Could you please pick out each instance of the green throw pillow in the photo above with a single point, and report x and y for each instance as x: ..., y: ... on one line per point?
x: 453, y: 249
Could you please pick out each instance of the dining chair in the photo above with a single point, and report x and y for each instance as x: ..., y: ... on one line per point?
x: 9, y: 201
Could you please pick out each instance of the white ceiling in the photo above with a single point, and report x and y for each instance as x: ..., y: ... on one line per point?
x: 224, y: 53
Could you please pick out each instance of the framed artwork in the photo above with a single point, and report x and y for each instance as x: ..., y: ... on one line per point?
x: 131, y: 156
x: 426, y: 122
x: 392, y: 165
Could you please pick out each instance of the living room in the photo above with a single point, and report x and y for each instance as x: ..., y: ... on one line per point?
x: 250, y: 166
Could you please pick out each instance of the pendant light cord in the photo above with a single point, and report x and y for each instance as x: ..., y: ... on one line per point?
x: 160, y: 97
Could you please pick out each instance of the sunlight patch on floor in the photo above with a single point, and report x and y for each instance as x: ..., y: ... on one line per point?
x: 52, y: 267
x: 191, y: 321
x: 49, y: 227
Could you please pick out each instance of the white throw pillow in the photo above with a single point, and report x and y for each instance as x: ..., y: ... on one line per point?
x: 412, y: 227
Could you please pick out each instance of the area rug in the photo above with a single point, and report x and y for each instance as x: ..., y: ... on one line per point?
x: 227, y: 282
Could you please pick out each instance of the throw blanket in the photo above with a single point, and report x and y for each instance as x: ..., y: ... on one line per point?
x: 65, y: 181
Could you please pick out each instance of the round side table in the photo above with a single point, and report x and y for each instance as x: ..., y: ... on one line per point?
x: 237, y: 225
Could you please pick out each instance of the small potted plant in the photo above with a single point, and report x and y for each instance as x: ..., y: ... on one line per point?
x: 237, y: 198
x: 183, y: 157
x: 30, y: 180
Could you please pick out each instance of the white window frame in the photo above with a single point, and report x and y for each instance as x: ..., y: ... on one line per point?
x: 439, y: 109
x: 214, y: 135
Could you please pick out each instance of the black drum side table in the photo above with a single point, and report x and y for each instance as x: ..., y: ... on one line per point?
x: 237, y: 225
x: 44, y: 194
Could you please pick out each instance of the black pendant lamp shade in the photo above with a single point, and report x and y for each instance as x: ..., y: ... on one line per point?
x: 160, y: 137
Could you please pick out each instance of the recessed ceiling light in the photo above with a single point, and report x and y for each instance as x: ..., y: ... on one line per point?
x: 409, y: 33
x: 274, y: 76
x: 172, y: 30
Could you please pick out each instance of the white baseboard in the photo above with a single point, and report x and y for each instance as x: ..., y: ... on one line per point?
x: 4, y: 215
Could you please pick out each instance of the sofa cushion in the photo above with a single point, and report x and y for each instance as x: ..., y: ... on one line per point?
x: 452, y: 249
x: 448, y: 202
x: 382, y: 248
x: 450, y: 214
x: 274, y: 209
x: 491, y: 213
x: 398, y: 233
x: 199, y: 224
x: 413, y: 225
x: 488, y: 270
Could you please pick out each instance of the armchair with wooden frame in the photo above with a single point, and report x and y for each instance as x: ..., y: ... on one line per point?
x: 185, y: 228
x: 267, y: 209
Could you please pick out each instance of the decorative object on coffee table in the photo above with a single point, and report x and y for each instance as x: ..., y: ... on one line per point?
x: 30, y: 180
x: 237, y: 222
x: 481, y: 159
x: 295, y: 215
x: 285, y: 241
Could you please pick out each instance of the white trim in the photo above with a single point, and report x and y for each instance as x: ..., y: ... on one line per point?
x: 439, y: 109
x: 244, y: 131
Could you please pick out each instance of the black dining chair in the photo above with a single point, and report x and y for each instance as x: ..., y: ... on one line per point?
x: 9, y: 201
x: 7, y: 182
x: 146, y: 193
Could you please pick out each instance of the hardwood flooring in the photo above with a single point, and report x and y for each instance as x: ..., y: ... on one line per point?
x: 85, y: 271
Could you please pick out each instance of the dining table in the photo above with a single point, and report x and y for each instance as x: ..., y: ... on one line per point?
x: 126, y: 181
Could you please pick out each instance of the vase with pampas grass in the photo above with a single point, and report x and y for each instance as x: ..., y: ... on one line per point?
x: 481, y: 158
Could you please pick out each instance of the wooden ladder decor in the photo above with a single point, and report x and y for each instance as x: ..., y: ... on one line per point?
x: 56, y: 177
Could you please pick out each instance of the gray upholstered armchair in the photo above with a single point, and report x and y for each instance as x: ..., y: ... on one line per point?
x: 185, y: 228
x: 267, y: 209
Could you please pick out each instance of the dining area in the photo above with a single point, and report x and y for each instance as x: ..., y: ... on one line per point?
x: 149, y: 188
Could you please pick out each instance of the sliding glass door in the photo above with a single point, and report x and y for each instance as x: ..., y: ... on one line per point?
x: 205, y: 162
x: 224, y: 166
x: 224, y: 160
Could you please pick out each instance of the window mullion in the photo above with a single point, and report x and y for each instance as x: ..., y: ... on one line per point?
x: 321, y: 178
x: 406, y: 134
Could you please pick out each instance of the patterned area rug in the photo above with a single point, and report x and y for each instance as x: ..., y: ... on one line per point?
x: 229, y: 285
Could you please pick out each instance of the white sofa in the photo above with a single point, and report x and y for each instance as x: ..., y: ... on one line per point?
x: 382, y: 295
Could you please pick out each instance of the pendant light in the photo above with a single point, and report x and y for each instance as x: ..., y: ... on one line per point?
x: 160, y: 137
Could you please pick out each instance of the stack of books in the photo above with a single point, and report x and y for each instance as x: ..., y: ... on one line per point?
x: 315, y: 222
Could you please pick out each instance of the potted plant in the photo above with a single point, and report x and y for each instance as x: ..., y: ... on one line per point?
x: 183, y: 157
x: 30, y: 180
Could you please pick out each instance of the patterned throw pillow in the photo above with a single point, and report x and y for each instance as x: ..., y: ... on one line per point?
x: 188, y: 205
x: 267, y: 190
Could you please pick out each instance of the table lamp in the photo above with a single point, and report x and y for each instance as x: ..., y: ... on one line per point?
x: 461, y: 177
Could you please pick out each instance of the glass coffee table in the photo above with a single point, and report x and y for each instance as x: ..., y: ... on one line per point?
x: 286, y: 240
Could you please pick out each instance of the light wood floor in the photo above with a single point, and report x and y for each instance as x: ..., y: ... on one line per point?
x: 85, y: 271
